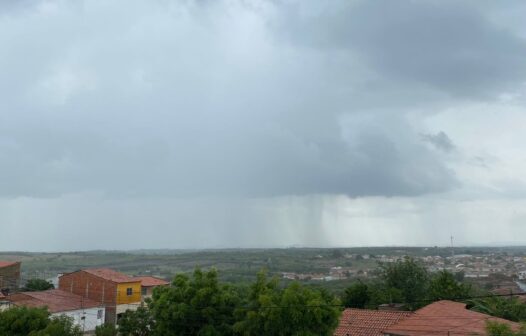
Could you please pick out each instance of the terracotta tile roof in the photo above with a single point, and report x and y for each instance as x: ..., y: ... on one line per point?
x: 55, y: 300
x: 445, y: 318
x: 149, y: 281
x: 364, y: 322
x: 8, y: 263
x: 111, y: 275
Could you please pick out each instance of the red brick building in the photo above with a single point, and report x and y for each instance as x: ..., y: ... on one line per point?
x: 116, y: 291
x: 9, y: 276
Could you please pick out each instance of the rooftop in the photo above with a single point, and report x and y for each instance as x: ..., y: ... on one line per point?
x: 364, y: 322
x: 447, y: 317
x: 8, y: 263
x: 149, y: 281
x: 111, y: 275
x: 55, y: 300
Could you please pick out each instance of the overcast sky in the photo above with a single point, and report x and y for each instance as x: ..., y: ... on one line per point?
x: 245, y: 123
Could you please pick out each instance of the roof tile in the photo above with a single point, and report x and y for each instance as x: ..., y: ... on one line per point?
x: 364, y: 322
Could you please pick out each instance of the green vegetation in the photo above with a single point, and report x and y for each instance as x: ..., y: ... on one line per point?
x: 501, y: 329
x: 22, y: 321
x: 295, y: 310
x: 106, y: 330
x: 34, y: 285
x: 509, y: 308
x: 201, y: 305
x: 406, y: 282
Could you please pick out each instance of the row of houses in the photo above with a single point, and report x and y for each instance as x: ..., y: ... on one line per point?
x: 90, y: 297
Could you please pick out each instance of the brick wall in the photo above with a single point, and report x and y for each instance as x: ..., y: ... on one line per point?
x: 92, y: 287
x: 10, y: 277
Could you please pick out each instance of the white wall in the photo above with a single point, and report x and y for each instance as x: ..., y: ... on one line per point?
x: 90, y: 315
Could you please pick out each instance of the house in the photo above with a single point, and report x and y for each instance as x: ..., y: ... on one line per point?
x: 439, y: 318
x: 148, y: 283
x: 365, y: 322
x: 444, y: 318
x: 118, y: 292
x: 86, y: 313
x: 9, y: 276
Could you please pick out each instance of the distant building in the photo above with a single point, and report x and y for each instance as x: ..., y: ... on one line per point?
x: 86, y: 313
x: 118, y: 292
x: 148, y: 283
x: 9, y: 276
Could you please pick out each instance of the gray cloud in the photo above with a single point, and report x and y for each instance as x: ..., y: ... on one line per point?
x: 177, y: 100
x: 452, y: 46
x: 440, y: 140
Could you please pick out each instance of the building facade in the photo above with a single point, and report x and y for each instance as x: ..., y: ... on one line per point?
x: 9, y: 276
x: 118, y: 292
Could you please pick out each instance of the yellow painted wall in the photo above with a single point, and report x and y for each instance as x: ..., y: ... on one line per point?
x: 123, y: 298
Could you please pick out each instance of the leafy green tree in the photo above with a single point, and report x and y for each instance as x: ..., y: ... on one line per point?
x: 59, y: 326
x: 409, y: 277
x: 379, y: 294
x: 21, y: 321
x: 444, y: 285
x: 501, y: 329
x: 199, y: 305
x: 357, y: 295
x: 106, y: 330
x: 507, y: 308
x: 34, y: 285
x: 293, y: 311
x: 136, y: 323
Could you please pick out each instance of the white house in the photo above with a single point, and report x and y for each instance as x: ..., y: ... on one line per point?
x: 86, y: 313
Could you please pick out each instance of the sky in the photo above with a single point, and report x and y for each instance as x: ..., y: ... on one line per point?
x: 137, y: 124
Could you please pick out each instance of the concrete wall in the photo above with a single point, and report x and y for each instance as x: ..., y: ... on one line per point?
x: 86, y: 319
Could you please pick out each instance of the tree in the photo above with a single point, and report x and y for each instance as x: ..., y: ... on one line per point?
x: 136, y: 323
x: 356, y: 296
x: 501, y: 329
x: 59, y: 326
x: 508, y: 308
x: 34, y: 285
x: 106, y: 330
x: 444, y: 285
x: 21, y: 321
x: 194, y: 306
x: 409, y: 277
x: 293, y: 311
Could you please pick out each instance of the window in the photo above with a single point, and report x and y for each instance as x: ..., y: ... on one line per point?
x: 144, y: 291
x: 129, y: 291
x: 99, y: 314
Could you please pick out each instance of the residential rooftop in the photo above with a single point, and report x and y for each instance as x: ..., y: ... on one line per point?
x: 111, y: 275
x: 445, y: 318
x: 55, y: 300
x: 149, y: 281
x: 364, y: 322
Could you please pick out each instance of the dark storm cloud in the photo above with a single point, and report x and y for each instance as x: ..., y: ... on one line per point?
x: 450, y: 45
x: 179, y: 100
x: 440, y: 140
